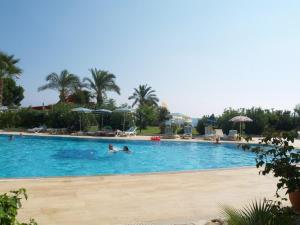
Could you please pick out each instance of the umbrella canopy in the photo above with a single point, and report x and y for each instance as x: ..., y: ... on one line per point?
x: 81, y: 110
x: 3, y: 108
x: 125, y: 111
x: 102, y: 112
x: 180, y: 118
x: 241, y: 119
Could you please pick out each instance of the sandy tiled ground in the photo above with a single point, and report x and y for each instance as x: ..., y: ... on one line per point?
x: 175, y: 197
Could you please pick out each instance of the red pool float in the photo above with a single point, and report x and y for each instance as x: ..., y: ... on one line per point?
x: 155, y: 138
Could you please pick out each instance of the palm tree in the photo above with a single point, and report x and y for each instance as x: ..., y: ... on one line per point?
x: 9, y: 69
x: 101, y: 82
x: 144, y: 94
x: 64, y: 83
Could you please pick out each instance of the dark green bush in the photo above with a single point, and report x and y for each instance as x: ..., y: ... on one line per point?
x: 61, y: 116
x: 9, y: 206
x: 117, y: 120
x: 28, y: 118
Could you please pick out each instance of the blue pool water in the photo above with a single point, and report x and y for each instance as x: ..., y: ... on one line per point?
x: 52, y: 156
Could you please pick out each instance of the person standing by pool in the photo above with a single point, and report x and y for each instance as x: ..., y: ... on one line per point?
x: 217, y: 140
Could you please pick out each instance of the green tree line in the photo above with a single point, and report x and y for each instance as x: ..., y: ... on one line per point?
x: 264, y: 120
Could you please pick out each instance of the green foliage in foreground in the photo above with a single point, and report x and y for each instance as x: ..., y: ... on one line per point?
x: 277, y: 156
x: 9, y: 206
x: 259, y: 213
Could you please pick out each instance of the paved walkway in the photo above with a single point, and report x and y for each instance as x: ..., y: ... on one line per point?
x: 129, y: 199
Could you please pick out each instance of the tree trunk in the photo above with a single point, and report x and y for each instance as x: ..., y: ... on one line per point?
x: 99, y: 99
x: 1, y: 91
x: 62, y: 96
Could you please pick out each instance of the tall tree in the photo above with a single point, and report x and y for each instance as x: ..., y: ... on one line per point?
x: 8, y: 68
x: 12, y: 94
x: 101, y: 82
x: 64, y: 83
x: 144, y: 94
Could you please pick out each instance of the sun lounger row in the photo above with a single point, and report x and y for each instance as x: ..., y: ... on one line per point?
x: 212, y: 134
x: 109, y: 133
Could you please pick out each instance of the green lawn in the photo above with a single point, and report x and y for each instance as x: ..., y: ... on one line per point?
x: 149, y: 131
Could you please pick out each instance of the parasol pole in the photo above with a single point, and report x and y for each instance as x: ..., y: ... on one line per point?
x: 124, y: 121
x: 241, y: 129
x: 80, y: 122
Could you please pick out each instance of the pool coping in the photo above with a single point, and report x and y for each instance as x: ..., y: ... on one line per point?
x: 129, y: 138
x: 128, y: 175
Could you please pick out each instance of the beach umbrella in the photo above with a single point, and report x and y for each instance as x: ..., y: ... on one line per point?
x: 3, y: 108
x: 102, y: 112
x: 241, y: 119
x: 81, y: 110
x: 124, y: 111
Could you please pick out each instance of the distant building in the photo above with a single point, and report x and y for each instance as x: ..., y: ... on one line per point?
x: 179, y: 119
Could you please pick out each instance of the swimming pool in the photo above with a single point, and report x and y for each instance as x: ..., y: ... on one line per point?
x: 32, y: 156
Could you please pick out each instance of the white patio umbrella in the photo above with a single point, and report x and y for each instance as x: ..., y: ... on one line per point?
x: 102, y: 112
x: 81, y: 110
x: 241, y: 119
x: 125, y: 111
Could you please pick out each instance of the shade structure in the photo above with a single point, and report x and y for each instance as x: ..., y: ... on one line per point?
x: 3, y: 108
x: 238, y: 119
x: 241, y: 119
x: 180, y: 118
x: 124, y: 110
x: 102, y: 112
x: 81, y: 110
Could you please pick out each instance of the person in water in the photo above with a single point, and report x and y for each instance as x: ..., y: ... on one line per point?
x: 111, y: 149
x: 11, y: 137
x: 126, y: 149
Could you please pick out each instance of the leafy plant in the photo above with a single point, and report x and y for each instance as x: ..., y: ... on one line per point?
x: 276, y: 155
x: 259, y: 213
x: 144, y: 95
x: 64, y: 83
x: 8, y: 69
x: 101, y: 82
x: 12, y: 93
x: 145, y: 115
x: 9, y: 206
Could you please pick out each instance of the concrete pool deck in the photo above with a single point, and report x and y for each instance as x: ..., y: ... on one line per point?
x: 162, y: 198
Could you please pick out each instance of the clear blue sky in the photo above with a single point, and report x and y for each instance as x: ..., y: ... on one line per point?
x: 200, y: 56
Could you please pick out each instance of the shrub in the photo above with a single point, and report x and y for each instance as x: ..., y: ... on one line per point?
x: 9, y: 206
x: 276, y: 155
x: 61, y: 116
x: 260, y: 213
x: 28, y: 118
x: 117, y: 120
x: 8, y: 119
